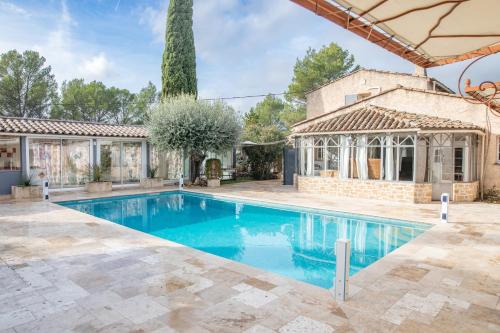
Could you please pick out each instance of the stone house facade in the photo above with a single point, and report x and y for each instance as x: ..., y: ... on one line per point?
x: 348, y: 145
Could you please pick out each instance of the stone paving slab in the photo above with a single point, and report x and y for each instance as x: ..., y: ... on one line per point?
x: 65, y: 271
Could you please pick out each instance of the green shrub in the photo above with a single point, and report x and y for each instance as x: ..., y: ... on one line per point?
x: 153, y: 171
x: 492, y: 195
x: 263, y: 160
x: 97, y: 173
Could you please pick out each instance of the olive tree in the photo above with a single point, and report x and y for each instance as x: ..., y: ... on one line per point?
x: 194, y: 126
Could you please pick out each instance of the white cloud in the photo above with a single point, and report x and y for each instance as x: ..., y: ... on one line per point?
x: 97, y: 67
x: 243, y: 48
x: 64, y: 52
x: 155, y: 19
x: 10, y: 8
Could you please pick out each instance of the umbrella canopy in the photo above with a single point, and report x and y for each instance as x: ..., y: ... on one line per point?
x: 426, y: 32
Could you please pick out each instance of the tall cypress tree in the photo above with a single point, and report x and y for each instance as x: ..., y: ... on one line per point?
x: 179, y: 57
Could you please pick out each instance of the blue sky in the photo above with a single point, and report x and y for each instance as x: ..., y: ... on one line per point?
x: 244, y: 47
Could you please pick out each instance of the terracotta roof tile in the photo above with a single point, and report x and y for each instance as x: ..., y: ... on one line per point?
x: 65, y: 127
x: 373, y: 118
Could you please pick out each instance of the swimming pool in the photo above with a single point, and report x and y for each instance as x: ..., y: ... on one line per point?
x: 292, y: 241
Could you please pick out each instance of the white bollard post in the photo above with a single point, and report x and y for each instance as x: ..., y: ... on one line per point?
x: 445, y: 198
x: 45, y: 184
x: 181, y: 182
x: 343, y: 254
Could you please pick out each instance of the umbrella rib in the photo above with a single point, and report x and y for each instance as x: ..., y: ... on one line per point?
x: 418, y: 9
x: 372, y: 7
x: 437, y: 24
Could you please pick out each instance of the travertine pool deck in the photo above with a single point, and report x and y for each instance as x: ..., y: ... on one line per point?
x: 65, y: 271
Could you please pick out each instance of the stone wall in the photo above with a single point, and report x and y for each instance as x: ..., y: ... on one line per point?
x: 368, y: 189
x: 465, y: 192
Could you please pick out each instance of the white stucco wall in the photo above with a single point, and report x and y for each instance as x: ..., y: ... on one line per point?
x: 332, y: 96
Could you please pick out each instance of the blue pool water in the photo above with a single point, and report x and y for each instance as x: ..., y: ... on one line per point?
x: 291, y: 241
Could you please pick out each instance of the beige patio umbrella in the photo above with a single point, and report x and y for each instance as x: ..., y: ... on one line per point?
x: 426, y: 32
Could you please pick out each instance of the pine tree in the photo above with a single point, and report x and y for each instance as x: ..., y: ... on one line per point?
x: 179, y: 57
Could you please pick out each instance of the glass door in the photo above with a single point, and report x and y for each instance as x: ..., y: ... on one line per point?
x: 121, y: 162
x: 131, y: 166
x: 441, y: 165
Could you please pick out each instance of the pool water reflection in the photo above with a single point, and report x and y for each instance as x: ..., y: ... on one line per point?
x: 294, y: 242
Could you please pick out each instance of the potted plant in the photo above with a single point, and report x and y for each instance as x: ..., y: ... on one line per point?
x: 97, y: 184
x: 213, y: 172
x: 152, y: 181
x: 26, y: 190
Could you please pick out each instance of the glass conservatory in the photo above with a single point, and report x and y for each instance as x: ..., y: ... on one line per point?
x: 440, y: 159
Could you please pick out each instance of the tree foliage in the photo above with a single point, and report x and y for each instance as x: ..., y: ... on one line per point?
x: 197, y: 127
x: 318, y: 68
x: 95, y: 102
x: 264, y: 124
x: 27, y: 86
x: 179, y: 57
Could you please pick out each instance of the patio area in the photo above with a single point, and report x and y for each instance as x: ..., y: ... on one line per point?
x: 62, y: 270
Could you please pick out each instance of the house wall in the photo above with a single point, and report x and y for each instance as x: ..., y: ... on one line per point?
x: 368, y: 189
x: 439, y: 105
x: 10, y: 178
x: 332, y: 96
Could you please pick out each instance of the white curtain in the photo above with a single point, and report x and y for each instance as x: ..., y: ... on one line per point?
x: 361, y: 157
x: 344, y: 157
x: 466, y: 158
x: 389, y: 157
x: 309, y: 161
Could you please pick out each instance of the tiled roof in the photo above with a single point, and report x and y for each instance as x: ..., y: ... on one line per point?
x: 384, y: 92
x: 374, y: 118
x: 65, y: 127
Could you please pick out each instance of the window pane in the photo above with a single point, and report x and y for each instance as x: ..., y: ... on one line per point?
x: 10, y: 153
x: 351, y: 99
x: 374, y: 162
x: 307, y: 161
x: 45, y: 160
x: 423, y: 165
x: 319, y: 160
x: 75, y: 162
x: 131, y: 162
x: 169, y: 164
x: 459, y: 164
x: 442, y: 164
x: 110, y: 161
x: 332, y: 158
x: 406, y: 163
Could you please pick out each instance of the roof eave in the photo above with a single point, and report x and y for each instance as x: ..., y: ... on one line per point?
x: 401, y: 130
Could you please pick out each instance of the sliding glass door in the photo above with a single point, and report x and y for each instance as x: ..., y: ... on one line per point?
x: 131, y: 157
x: 121, y: 162
x: 45, y: 161
x: 75, y: 159
x: 64, y: 162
